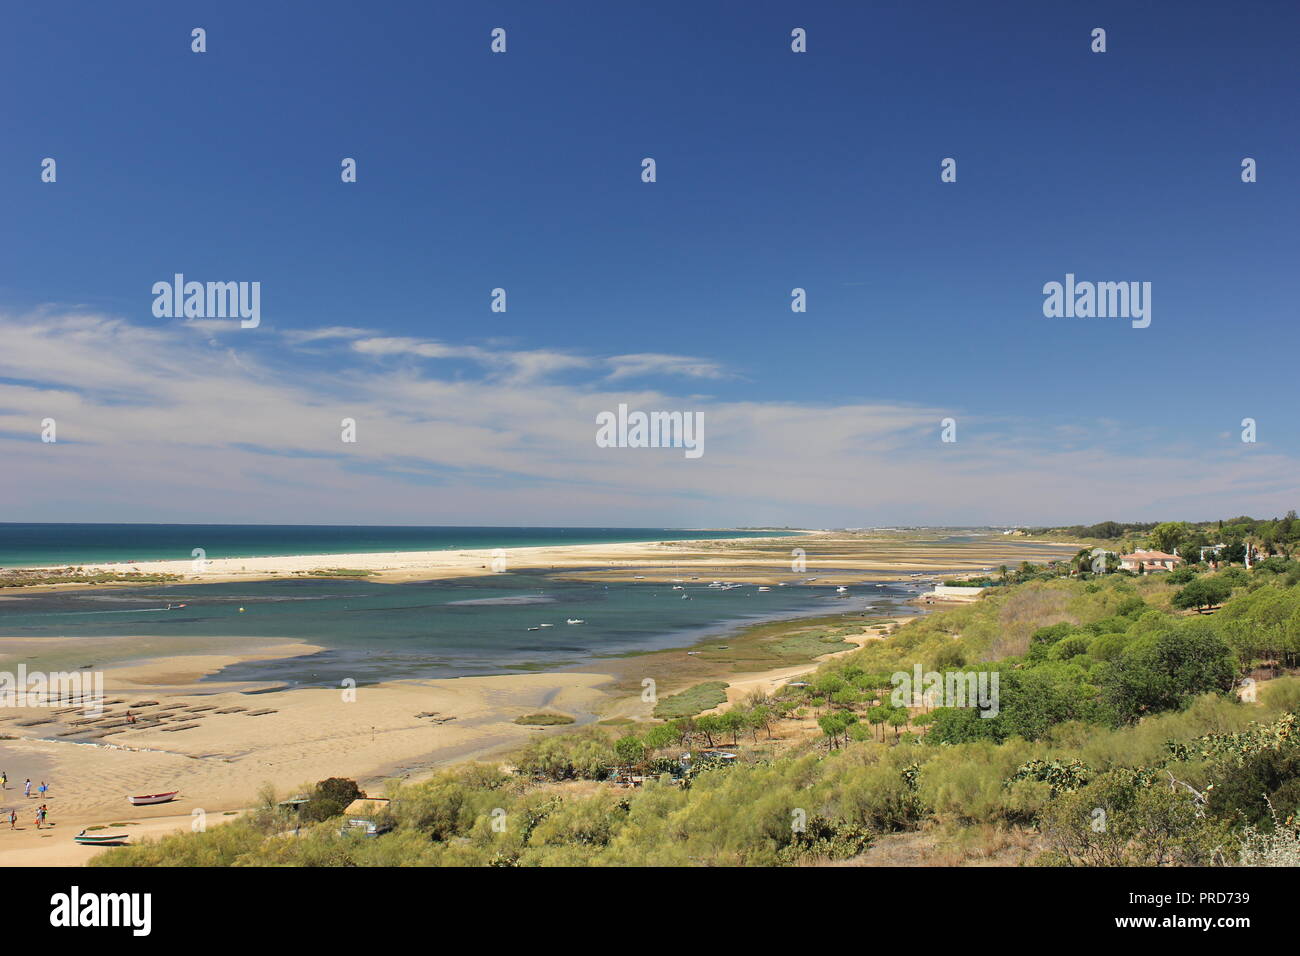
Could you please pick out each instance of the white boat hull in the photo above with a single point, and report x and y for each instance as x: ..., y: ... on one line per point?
x: 148, y: 799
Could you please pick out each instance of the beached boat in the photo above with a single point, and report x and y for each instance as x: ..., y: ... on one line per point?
x: 148, y: 798
x: 101, y: 839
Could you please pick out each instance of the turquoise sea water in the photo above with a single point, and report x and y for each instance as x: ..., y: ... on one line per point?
x: 28, y: 545
x: 372, y: 632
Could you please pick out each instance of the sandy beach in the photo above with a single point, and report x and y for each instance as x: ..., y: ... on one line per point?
x: 395, y: 566
x: 222, y: 756
x: 220, y: 743
x: 831, y: 555
x: 397, y: 730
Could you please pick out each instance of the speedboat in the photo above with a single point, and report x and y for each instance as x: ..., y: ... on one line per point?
x: 575, y: 620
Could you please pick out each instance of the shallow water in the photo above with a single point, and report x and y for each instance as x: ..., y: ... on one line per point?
x: 372, y: 632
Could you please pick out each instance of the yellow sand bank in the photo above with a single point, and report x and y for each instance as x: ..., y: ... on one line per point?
x: 370, y: 734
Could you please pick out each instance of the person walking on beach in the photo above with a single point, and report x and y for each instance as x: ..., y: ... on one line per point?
x: 13, y: 819
x: 27, y: 787
x: 4, y: 779
x: 41, y: 789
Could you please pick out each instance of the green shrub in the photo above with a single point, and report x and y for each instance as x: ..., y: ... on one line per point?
x: 329, y: 798
x: 544, y: 720
x: 692, y: 701
x: 587, y: 756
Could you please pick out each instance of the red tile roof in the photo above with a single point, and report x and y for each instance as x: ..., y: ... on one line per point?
x: 1149, y: 556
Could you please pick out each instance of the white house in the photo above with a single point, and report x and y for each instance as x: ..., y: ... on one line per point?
x: 1149, y: 561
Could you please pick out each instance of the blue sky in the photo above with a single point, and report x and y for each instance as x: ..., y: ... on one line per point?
x: 775, y: 170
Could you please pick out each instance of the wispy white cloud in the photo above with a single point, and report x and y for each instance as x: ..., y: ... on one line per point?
x: 303, y: 336
x: 654, y: 363
x: 524, y: 365
x: 165, y: 423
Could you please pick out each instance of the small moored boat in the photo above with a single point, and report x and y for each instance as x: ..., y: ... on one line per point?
x: 149, y: 798
x: 101, y: 839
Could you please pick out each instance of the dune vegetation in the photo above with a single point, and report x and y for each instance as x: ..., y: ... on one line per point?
x: 1133, y: 724
x: 43, y: 577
